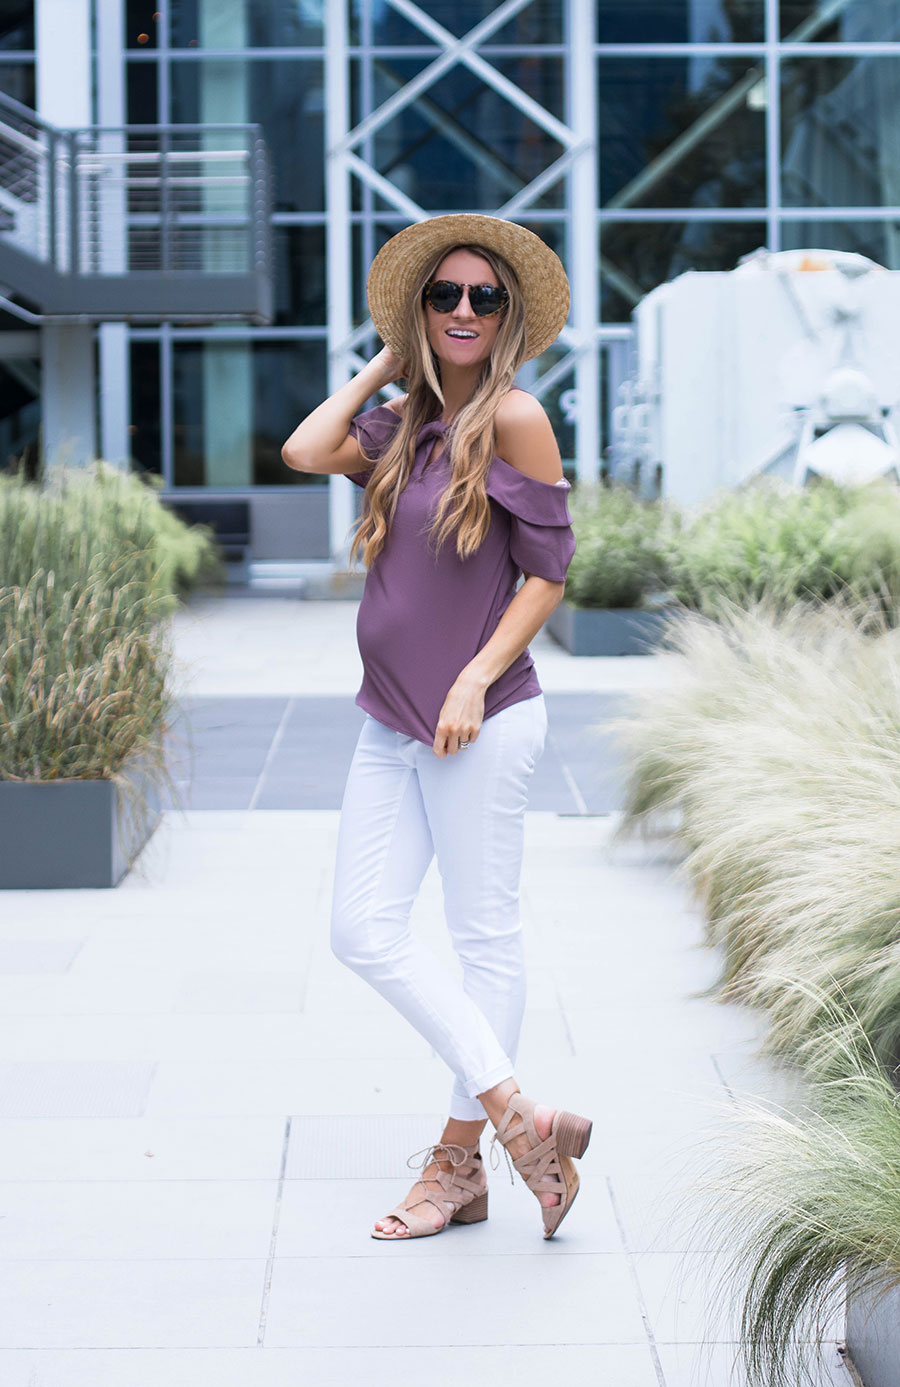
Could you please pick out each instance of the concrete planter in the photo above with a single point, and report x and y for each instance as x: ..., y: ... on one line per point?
x: 873, y: 1336
x: 71, y: 833
x: 606, y: 631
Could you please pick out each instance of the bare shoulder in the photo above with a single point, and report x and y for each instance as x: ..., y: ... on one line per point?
x: 397, y: 404
x: 525, y: 437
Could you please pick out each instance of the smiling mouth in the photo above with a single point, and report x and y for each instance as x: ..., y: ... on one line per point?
x: 462, y: 334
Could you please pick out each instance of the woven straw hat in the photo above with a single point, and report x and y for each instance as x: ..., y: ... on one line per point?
x: 404, y: 258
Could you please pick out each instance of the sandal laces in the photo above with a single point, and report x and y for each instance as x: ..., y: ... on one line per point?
x: 428, y: 1155
x: 495, y: 1159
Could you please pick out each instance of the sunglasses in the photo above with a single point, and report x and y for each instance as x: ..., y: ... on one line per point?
x: 484, y: 299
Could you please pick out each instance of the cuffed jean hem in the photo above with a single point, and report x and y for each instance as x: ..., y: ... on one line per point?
x: 470, y: 1108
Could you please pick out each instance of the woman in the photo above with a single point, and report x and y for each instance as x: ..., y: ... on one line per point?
x: 463, y: 494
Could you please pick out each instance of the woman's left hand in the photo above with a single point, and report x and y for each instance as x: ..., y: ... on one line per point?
x: 461, y: 716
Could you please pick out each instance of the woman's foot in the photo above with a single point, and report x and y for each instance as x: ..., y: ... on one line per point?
x: 424, y: 1209
x: 541, y: 1143
x: 520, y: 1146
x: 437, y: 1200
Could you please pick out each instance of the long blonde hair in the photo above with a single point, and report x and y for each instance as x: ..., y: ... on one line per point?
x: 464, y: 508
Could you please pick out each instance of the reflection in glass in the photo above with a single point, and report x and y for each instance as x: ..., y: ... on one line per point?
x: 235, y: 403
x: 245, y: 23
x: 459, y: 145
x: 146, y: 449
x: 840, y: 132
x: 637, y: 256
x: 17, y: 25
x: 880, y: 241
x: 141, y: 23
x: 17, y: 81
x: 374, y: 22
x: 299, y: 256
x: 141, y: 106
x: 854, y: 21
x: 660, y: 148
x: 680, y: 21
x: 284, y: 95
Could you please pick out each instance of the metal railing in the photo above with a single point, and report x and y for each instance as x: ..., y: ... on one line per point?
x: 134, y: 199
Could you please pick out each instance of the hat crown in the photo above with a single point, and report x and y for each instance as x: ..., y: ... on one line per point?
x: 405, y: 258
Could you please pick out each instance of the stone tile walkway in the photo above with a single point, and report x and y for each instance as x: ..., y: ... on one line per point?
x: 201, y: 1112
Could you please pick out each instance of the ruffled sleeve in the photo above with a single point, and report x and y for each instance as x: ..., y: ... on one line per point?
x: 541, y: 540
x: 373, y: 428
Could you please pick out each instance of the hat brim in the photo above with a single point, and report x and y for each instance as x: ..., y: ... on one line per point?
x: 403, y: 259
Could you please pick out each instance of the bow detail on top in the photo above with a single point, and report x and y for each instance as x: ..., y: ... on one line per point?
x: 428, y: 1155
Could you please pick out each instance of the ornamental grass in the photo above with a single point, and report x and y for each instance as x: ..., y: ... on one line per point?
x: 85, y: 517
x: 808, y: 1204
x: 89, y: 572
x: 767, y: 541
x: 779, y: 750
x: 778, y: 756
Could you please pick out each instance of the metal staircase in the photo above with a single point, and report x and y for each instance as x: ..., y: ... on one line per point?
x: 132, y: 223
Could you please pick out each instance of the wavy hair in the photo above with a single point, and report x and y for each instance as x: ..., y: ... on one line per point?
x: 464, y: 508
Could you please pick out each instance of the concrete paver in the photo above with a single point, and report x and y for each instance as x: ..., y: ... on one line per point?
x: 205, y: 1112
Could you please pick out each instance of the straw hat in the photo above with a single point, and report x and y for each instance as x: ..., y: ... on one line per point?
x: 404, y: 258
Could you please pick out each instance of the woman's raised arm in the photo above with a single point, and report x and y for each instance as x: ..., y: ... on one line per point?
x: 321, y: 442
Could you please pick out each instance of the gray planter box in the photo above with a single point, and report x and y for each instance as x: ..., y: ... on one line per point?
x: 606, y: 631
x: 873, y: 1336
x: 70, y: 833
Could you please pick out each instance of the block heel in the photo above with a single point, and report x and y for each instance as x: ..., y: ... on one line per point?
x: 547, y: 1167
x: 572, y: 1133
x: 476, y: 1212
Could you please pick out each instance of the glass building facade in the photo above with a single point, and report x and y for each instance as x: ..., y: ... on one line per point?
x: 717, y: 126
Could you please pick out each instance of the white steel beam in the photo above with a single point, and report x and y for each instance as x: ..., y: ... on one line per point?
x: 583, y: 253
x: 454, y: 50
x: 339, y: 252
x: 483, y: 69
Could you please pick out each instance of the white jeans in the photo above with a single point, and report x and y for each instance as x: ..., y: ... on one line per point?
x: 403, y: 805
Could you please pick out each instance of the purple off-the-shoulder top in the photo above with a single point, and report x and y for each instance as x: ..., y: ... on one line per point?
x: 424, y: 616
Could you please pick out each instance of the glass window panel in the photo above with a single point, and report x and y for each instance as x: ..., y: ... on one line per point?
x: 141, y: 93
x: 246, y: 23
x: 17, y: 81
x: 284, y: 95
x: 648, y: 105
x: 681, y: 21
x: 880, y: 241
x: 840, y: 132
x: 235, y: 403
x: 372, y: 21
x: 856, y: 21
x: 20, y: 415
x: 146, y: 448
x: 461, y: 145
x: 300, y: 276
x: 142, y: 23
x: 637, y: 256
x: 17, y: 25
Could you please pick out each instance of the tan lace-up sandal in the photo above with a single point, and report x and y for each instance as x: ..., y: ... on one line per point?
x: 464, y: 1197
x: 547, y: 1168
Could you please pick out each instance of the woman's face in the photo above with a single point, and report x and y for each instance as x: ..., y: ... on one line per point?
x: 460, y: 338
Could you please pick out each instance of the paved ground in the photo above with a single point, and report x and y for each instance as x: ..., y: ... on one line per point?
x: 201, y: 1112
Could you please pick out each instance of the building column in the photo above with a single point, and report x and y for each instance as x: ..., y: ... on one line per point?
x: 341, y: 490
x: 68, y: 378
x: 584, y: 249
x: 113, y: 339
x: 227, y: 366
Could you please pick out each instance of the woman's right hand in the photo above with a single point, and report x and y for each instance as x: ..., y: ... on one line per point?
x: 389, y: 364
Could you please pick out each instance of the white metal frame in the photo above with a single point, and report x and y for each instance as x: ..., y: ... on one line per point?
x: 345, y: 156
